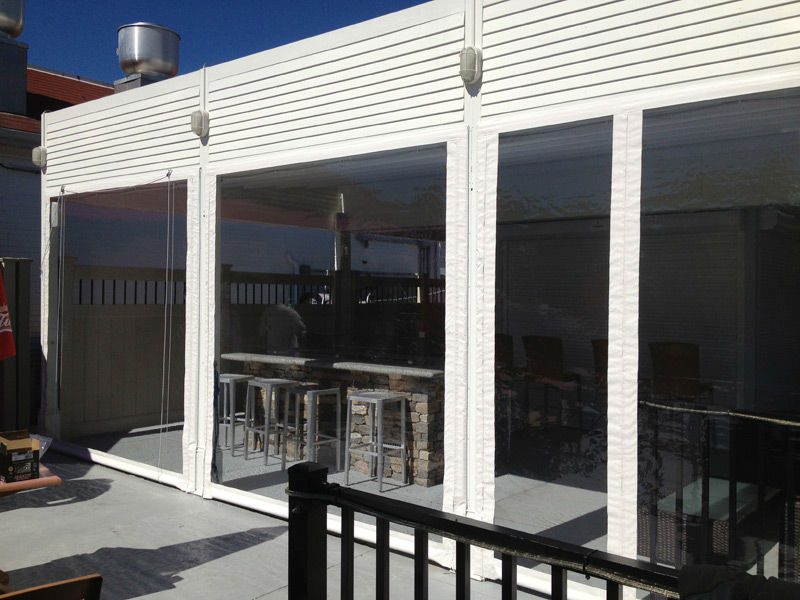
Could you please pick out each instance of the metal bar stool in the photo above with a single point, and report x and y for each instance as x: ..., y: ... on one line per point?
x: 270, y: 387
x: 226, y: 409
x: 376, y: 448
x: 305, y: 395
x: 315, y: 439
x: 298, y: 390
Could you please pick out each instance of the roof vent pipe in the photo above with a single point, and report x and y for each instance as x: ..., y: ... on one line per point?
x: 11, y: 17
x: 147, y: 53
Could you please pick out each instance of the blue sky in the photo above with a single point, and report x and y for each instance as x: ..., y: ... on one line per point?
x: 80, y: 36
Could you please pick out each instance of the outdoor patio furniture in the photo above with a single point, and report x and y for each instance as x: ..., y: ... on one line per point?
x: 599, y: 408
x: 676, y: 371
x: 545, y: 367
x: 270, y: 387
x: 315, y: 439
x: 79, y: 588
x: 306, y: 402
x: 680, y: 523
x: 505, y: 393
x: 503, y: 351
x: 376, y: 447
x: 226, y: 411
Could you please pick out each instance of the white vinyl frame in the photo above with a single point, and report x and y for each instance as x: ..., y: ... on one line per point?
x: 456, y: 310
x: 627, y: 110
x: 49, y: 267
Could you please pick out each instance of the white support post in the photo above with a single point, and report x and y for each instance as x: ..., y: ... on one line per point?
x: 193, y: 344
x: 209, y: 328
x: 482, y: 307
x: 478, y: 444
x: 50, y: 417
x: 623, y: 335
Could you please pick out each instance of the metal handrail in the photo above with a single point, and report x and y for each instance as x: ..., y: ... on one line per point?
x: 309, y: 491
x: 710, y: 410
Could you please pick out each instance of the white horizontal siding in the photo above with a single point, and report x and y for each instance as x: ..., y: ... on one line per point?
x: 549, y: 53
x: 133, y: 133
x: 400, y: 80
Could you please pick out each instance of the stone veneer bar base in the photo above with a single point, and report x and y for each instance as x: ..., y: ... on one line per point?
x: 425, y: 416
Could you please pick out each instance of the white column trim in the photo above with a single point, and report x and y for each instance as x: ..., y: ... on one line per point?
x: 456, y: 367
x: 192, y: 341
x: 209, y: 291
x: 623, y: 335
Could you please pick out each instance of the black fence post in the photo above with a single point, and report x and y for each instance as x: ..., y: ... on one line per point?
x: 308, y: 533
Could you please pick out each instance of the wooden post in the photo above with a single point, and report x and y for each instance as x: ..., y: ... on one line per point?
x: 308, y: 533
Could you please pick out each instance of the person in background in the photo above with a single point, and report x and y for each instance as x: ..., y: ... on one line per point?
x: 281, y: 329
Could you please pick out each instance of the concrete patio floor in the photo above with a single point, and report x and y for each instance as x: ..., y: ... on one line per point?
x: 580, y: 521
x: 149, y: 540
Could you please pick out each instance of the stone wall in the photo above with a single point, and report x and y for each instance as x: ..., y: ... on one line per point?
x: 424, y: 416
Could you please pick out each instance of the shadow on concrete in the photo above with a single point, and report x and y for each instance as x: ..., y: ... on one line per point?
x: 578, y: 531
x: 74, y: 489
x: 581, y: 530
x: 133, y: 572
x: 154, y: 447
x: 251, y: 483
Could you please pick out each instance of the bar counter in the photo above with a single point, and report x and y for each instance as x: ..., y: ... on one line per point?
x: 341, y: 365
x: 423, y: 388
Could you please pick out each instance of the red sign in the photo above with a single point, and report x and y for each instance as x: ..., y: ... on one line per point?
x: 7, y: 349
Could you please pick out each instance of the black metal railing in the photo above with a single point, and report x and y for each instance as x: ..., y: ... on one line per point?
x: 685, y: 445
x: 310, y: 494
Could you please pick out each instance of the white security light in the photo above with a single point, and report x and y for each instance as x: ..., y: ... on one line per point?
x: 39, y: 156
x: 471, y: 65
x: 200, y: 123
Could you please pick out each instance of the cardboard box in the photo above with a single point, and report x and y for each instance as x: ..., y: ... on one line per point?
x: 19, y: 456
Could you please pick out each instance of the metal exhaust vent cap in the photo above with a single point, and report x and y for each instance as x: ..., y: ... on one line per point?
x: 148, y: 48
x: 11, y: 17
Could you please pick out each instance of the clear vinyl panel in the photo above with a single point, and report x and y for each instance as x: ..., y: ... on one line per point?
x: 332, y: 277
x: 121, y: 320
x: 551, y: 340
x: 719, y: 377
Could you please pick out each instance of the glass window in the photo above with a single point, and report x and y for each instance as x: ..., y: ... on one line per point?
x: 122, y: 322
x: 551, y: 315
x: 333, y: 276
x: 720, y: 334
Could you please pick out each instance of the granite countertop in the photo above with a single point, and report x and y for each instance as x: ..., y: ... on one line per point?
x: 342, y: 365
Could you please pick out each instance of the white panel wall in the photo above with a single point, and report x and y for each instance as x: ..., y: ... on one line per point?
x: 127, y: 135
x: 399, y: 73
x: 539, y: 53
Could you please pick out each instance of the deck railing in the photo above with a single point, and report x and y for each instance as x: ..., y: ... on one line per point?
x: 310, y: 494
x: 756, y: 463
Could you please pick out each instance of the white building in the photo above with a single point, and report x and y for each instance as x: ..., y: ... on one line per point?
x: 618, y: 197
